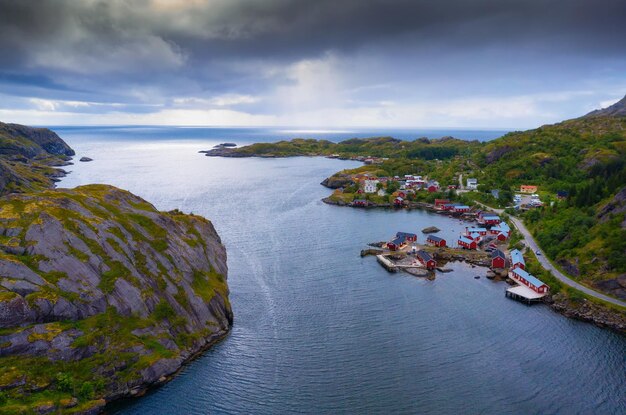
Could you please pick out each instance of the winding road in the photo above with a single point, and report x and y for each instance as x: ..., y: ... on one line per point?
x: 546, y: 264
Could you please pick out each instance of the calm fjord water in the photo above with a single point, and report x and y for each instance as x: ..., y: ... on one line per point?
x: 319, y: 329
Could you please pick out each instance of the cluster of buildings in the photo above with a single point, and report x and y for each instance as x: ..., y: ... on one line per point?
x: 370, y: 184
x: 493, y: 228
x: 529, y: 287
x: 517, y: 270
x: 403, y: 239
x: 445, y: 205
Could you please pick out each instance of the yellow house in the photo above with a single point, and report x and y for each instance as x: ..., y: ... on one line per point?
x: 525, y: 188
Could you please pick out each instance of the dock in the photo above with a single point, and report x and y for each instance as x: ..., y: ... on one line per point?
x: 386, y: 263
x: 524, y: 294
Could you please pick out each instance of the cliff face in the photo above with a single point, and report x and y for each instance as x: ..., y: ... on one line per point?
x: 28, y: 156
x: 101, y: 296
x: 31, y: 142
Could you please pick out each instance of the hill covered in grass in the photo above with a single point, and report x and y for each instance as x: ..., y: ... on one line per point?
x: 388, y: 147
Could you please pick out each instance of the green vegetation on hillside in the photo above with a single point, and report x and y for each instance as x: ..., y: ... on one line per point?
x: 421, y: 148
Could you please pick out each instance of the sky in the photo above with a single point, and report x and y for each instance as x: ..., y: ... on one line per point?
x: 493, y: 64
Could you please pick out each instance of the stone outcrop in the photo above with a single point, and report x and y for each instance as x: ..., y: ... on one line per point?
x: 28, y: 157
x: 101, y: 293
x: 337, y: 181
x: 31, y: 142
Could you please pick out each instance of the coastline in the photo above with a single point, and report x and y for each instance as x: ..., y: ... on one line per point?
x: 584, y: 310
x: 147, y: 387
x: 601, y: 316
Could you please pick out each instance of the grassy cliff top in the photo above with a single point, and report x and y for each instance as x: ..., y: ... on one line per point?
x: 101, y: 295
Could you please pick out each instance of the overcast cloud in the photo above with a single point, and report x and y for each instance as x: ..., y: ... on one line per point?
x: 455, y: 63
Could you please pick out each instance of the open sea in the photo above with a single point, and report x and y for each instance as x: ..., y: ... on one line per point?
x: 320, y: 330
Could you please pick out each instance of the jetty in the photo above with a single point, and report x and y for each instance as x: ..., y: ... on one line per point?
x: 524, y: 294
x: 386, y: 263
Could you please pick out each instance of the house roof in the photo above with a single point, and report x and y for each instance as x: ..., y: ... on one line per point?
x: 406, y: 235
x: 399, y: 240
x: 475, y: 229
x: 530, y: 278
x: 502, y: 227
x: 461, y: 207
x: 491, y: 217
x: 434, y: 238
x: 465, y: 239
x: 517, y: 257
x: 497, y: 254
x: 424, y: 256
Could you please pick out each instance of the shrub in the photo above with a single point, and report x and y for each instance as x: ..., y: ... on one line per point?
x: 86, y: 391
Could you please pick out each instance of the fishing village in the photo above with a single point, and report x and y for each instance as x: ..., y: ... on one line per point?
x: 485, y: 241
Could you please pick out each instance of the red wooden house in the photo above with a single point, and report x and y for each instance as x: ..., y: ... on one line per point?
x: 467, y: 243
x: 460, y: 209
x: 426, y: 260
x: 488, y: 219
x: 401, y: 239
x: 436, y: 241
x: 501, y: 237
x: 532, y: 282
x: 498, y: 260
x: 396, y: 244
x: 440, y: 202
x: 409, y: 237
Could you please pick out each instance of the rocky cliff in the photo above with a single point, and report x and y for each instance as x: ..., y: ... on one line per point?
x: 28, y: 157
x: 102, y: 296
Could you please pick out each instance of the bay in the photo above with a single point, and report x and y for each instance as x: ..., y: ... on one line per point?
x: 319, y: 329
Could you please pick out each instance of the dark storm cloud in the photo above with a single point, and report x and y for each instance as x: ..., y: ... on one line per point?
x: 154, y: 50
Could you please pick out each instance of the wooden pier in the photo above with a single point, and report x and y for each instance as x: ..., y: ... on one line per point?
x: 524, y: 294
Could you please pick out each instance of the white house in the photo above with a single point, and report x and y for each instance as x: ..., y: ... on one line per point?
x: 369, y: 186
x: 472, y: 184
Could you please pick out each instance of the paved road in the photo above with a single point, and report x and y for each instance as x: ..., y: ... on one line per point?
x: 545, y: 263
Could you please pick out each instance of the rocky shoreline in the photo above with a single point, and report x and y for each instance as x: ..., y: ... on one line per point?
x: 588, y: 311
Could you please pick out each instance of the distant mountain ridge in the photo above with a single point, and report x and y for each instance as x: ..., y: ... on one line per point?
x: 616, y: 110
